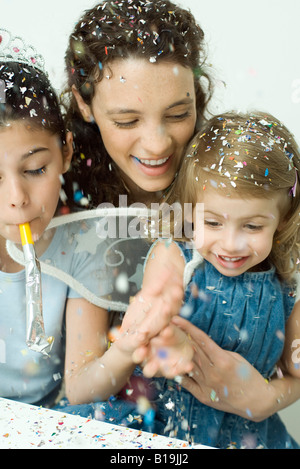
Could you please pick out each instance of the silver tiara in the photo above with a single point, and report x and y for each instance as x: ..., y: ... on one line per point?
x: 14, y: 49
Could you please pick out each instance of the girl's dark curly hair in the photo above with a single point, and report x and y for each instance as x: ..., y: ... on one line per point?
x: 29, y: 96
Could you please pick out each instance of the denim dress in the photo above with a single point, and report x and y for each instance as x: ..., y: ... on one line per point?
x: 244, y: 314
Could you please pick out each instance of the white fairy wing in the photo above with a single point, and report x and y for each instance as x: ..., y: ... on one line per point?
x: 98, y: 253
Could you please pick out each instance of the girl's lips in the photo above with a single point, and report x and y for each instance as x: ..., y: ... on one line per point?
x: 23, y: 222
x: 154, y: 167
x: 231, y: 262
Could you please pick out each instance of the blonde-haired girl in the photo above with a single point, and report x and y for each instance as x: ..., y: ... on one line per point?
x: 241, y: 174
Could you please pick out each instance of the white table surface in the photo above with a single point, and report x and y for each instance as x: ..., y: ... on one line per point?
x: 24, y: 426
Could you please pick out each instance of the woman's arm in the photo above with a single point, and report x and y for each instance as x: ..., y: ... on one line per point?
x: 226, y: 381
x: 290, y: 361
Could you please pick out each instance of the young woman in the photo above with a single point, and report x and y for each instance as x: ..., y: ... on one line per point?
x: 139, y: 89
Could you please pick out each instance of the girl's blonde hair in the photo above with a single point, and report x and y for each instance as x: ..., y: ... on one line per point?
x: 247, y: 156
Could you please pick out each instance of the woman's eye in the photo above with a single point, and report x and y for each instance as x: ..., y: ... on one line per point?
x: 125, y: 125
x: 180, y: 116
x: 36, y: 172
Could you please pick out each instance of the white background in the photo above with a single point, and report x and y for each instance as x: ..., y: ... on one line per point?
x: 253, y: 52
x: 253, y: 47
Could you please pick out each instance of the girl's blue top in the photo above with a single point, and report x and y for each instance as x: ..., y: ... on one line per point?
x: 245, y: 314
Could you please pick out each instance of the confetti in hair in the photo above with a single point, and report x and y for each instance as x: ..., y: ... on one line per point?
x: 247, y: 155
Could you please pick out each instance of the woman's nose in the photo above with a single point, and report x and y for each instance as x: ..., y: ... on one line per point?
x: 156, y: 141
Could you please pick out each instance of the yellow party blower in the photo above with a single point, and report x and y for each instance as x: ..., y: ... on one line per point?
x: 35, y: 332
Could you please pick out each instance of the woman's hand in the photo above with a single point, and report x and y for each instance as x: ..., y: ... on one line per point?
x: 226, y: 381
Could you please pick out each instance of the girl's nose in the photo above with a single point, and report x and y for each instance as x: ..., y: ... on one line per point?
x: 233, y: 241
x: 17, y: 195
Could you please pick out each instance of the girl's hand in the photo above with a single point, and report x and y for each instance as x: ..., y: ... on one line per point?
x: 169, y: 354
x: 151, y: 310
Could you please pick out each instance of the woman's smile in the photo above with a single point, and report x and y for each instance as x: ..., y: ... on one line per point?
x: 153, y: 167
x: 146, y: 120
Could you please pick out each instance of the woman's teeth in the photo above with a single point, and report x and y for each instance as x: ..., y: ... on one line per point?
x: 153, y: 162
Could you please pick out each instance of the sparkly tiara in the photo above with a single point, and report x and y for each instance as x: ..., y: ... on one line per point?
x: 14, y: 49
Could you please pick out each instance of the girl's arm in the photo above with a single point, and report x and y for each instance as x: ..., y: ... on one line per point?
x: 170, y: 350
x: 92, y: 372
x: 163, y: 282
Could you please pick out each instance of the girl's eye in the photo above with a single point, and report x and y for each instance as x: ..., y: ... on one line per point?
x: 212, y: 223
x: 36, y: 172
x: 252, y: 227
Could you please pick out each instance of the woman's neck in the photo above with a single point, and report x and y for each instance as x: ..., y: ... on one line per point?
x: 148, y: 198
x: 138, y: 195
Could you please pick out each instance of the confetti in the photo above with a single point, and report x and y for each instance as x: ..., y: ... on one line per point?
x: 24, y: 426
x: 122, y: 283
x: 113, y: 333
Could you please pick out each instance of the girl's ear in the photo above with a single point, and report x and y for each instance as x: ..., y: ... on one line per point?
x: 83, y: 107
x: 285, y: 212
x: 281, y: 224
x: 67, y: 151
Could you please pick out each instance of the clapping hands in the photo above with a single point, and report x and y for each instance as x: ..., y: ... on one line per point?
x: 147, y: 332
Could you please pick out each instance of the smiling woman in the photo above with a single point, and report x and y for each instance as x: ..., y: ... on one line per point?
x: 145, y: 121
x: 139, y: 89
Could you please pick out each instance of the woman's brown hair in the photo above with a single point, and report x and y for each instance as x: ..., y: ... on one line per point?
x: 154, y: 31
